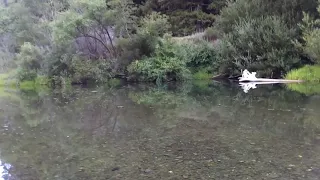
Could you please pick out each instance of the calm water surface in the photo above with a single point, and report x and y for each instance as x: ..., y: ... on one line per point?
x: 190, y: 131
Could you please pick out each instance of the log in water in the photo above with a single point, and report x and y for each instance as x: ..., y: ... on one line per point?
x: 268, y: 80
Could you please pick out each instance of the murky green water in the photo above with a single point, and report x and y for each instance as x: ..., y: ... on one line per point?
x: 190, y: 131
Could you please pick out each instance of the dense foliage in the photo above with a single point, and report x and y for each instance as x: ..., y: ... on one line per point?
x: 186, y: 16
x: 83, y: 41
x: 258, y: 35
x: 174, y: 61
x: 262, y: 44
x: 310, y: 46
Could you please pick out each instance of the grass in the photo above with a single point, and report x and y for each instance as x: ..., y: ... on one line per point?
x: 202, y: 75
x: 307, y: 73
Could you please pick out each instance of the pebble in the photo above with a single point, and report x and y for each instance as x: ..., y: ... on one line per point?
x: 148, y: 171
x: 170, y: 172
x: 273, y: 175
x: 115, y: 169
x: 185, y: 176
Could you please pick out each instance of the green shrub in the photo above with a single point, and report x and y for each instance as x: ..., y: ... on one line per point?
x: 30, y: 60
x: 86, y: 71
x: 312, y: 45
x: 185, y: 22
x: 151, y: 29
x: 176, y: 61
x: 306, y: 73
x: 155, y: 24
x: 210, y: 34
x: 164, y: 65
x: 131, y: 49
x: 26, y: 75
x: 236, y: 10
x: 199, y: 55
x: 263, y: 45
x: 202, y: 75
x: 311, y: 37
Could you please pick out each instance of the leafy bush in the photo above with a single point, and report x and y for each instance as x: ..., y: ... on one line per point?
x: 312, y: 45
x: 199, y: 55
x: 131, y: 49
x: 306, y: 73
x: 155, y: 24
x: 84, y: 71
x: 202, y: 75
x: 201, y: 58
x: 263, y: 45
x: 176, y: 61
x: 149, y: 32
x: 210, y: 34
x: 185, y: 22
x: 164, y: 65
x: 30, y: 61
x: 311, y: 37
x: 290, y: 10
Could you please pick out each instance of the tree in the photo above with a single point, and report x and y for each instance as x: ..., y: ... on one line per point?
x: 311, y: 36
x: 186, y: 17
x: 93, y: 25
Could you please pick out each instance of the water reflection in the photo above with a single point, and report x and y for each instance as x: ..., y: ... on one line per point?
x: 193, y: 131
x: 4, y: 170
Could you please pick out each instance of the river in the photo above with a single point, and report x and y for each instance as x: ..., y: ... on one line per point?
x: 200, y: 130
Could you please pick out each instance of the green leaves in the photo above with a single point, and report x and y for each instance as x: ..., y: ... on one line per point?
x: 30, y: 60
x: 174, y: 61
x: 65, y: 27
x: 311, y: 36
x: 165, y: 65
x: 262, y: 44
x: 155, y: 24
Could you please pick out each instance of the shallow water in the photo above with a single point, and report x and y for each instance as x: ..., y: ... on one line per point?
x: 190, y: 131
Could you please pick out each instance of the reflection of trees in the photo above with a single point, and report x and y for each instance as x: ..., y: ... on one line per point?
x: 305, y: 88
x: 79, y: 133
x: 71, y: 127
x: 272, y: 109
